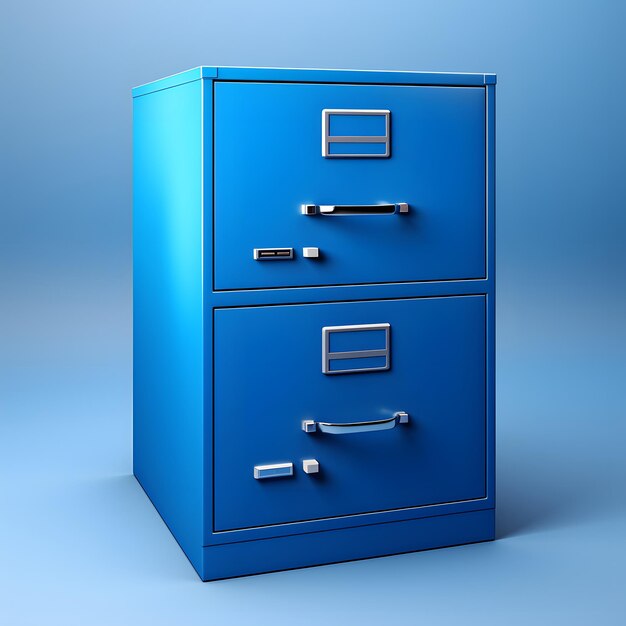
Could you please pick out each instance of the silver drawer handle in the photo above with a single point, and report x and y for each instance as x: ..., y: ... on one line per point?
x: 355, y: 209
x: 310, y: 426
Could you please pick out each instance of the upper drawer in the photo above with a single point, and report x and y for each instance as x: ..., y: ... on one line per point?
x: 269, y: 161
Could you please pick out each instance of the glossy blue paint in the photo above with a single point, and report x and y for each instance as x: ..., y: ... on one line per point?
x: 265, y: 74
x: 268, y: 379
x: 175, y: 80
x: 167, y: 309
x: 228, y: 361
x: 437, y: 167
x: 334, y: 546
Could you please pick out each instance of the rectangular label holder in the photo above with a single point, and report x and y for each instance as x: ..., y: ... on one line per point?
x: 328, y: 139
x: 353, y: 355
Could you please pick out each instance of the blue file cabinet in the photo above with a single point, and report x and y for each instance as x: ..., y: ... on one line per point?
x: 314, y: 313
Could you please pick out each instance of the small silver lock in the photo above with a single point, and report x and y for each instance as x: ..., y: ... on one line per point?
x: 310, y: 466
x: 311, y: 253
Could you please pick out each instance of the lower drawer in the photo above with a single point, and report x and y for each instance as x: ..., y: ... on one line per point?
x: 392, y: 394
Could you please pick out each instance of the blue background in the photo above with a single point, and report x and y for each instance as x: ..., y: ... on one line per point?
x: 79, y: 541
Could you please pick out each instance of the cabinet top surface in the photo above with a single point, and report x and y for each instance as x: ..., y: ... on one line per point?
x: 317, y: 75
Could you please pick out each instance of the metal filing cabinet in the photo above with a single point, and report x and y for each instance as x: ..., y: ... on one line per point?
x: 314, y: 313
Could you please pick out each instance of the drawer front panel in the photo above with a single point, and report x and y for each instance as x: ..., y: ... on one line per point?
x: 274, y: 152
x: 410, y: 435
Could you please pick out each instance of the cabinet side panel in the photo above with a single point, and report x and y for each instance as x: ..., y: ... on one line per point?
x: 167, y: 315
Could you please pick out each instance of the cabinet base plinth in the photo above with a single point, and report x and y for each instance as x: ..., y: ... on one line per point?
x: 336, y: 546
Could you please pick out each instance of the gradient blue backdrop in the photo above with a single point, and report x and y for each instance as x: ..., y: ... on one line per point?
x: 79, y: 542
